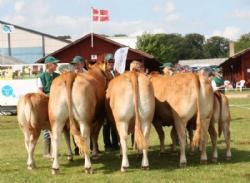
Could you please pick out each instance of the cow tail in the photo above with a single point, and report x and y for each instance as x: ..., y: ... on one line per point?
x: 220, y: 122
x: 139, y: 137
x: 28, y: 108
x: 69, y: 79
x: 198, y: 134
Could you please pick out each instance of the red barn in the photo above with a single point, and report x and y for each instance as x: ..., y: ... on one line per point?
x: 237, y: 67
x: 101, y: 46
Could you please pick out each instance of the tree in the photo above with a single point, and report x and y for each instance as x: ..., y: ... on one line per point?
x: 243, y: 42
x: 216, y: 47
x: 194, y: 46
x: 164, y: 47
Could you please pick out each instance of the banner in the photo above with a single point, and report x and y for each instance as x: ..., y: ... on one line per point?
x: 8, y: 28
x: 120, y: 59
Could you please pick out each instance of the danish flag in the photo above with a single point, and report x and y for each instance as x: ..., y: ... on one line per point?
x: 100, y: 15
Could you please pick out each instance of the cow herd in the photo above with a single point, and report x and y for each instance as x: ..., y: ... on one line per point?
x: 132, y: 101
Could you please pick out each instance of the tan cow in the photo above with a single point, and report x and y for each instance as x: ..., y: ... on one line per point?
x: 178, y: 99
x: 32, y: 116
x: 79, y: 97
x: 222, y: 117
x: 131, y: 99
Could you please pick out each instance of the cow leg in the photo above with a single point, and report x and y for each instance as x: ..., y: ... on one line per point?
x: 122, y: 128
x: 213, y: 136
x: 146, y: 131
x: 66, y: 133
x: 27, y: 137
x: 180, y: 129
x: 226, y: 133
x: 56, y: 132
x: 161, y: 134
x: 94, y: 138
x: 85, y: 132
x: 32, y: 144
x: 174, y: 138
x: 203, y: 144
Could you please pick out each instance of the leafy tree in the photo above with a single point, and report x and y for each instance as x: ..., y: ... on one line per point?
x: 216, y: 47
x: 164, y: 47
x: 243, y: 42
x: 194, y: 46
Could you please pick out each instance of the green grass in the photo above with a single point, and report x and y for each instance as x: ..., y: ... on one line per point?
x: 106, y: 168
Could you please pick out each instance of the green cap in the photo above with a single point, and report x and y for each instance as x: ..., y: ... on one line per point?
x: 109, y: 57
x: 51, y: 60
x: 217, y: 69
x: 167, y: 64
x: 77, y: 59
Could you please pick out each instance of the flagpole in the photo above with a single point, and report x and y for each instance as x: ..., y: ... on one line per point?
x: 91, y: 28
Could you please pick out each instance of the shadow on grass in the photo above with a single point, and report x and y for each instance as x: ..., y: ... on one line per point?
x: 168, y: 161
x: 237, y: 119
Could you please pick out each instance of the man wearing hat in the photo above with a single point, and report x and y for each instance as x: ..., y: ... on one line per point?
x: 44, y: 84
x: 108, y: 129
x: 78, y: 64
x: 218, y: 81
x: 167, y: 68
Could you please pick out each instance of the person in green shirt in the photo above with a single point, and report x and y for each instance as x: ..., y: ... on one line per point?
x: 218, y: 82
x: 44, y: 84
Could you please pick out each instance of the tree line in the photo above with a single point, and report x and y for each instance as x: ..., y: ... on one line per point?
x: 174, y: 47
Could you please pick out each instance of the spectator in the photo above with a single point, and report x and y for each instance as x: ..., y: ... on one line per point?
x: 109, y: 132
x: 44, y: 84
x: 79, y: 64
x: 168, y: 69
x: 218, y: 81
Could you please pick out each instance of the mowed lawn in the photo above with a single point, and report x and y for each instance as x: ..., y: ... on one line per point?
x: 107, y: 167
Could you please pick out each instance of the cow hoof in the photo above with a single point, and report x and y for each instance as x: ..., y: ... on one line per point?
x: 70, y: 158
x: 89, y: 170
x: 124, y: 169
x: 203, y: 162
x: 30, y: 167
x: 55, y: 171
x: 183, y: 165
x: 228, y: 158
x: 214, y: 160
x: 145, y: 167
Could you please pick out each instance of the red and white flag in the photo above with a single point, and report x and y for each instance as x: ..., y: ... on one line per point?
x: 100, y: 15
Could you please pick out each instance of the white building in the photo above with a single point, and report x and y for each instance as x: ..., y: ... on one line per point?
x: 128, y: 41
x: 25, y: 44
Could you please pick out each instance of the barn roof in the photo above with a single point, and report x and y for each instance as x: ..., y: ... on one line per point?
x: 36, y: 32
x: 237, y: 55
x: 146, y: 55
x: 203, y: 62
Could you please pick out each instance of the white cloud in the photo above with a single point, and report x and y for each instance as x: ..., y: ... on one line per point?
x: 169, y: 11
x: 1, y: 2
x: 32, y: 16
x: 232, y: 33
x: 243, y: 14
x: 18, y: 6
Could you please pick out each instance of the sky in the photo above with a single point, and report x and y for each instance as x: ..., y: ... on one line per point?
x: 227, y: 18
